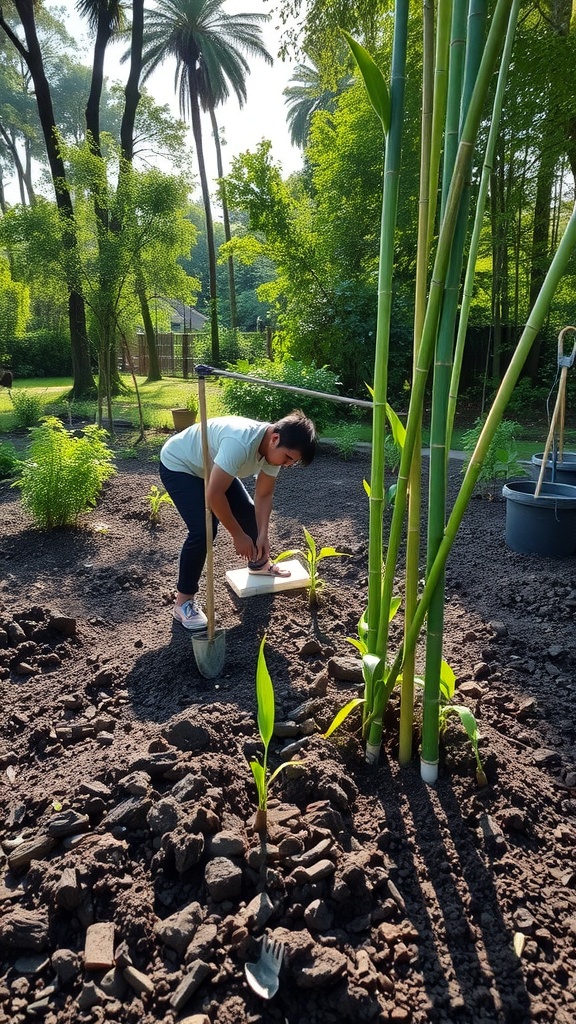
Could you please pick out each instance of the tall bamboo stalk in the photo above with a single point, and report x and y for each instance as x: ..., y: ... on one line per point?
x: 479, y: 217
x: 389, y: 208
x: 415, y: 490
x: 440, y: 395
x: 447, y: 228
x: 534, y: 324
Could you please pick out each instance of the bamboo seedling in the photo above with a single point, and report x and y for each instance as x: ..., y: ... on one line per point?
x: 311, y: 556
x: 156, y: 498
x: 447, y: 707
x: 266, y: 712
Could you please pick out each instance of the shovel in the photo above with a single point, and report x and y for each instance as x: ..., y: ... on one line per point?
x: 209, y: 645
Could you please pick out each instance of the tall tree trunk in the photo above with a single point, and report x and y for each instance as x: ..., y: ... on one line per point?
x: 83, y: 380
x: 154, y: 372
x: 226, y: 219
x: 132, y: 98
x: 541, y: 240
x: 197, y: 132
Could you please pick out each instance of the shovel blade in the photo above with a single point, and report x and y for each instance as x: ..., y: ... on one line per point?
x: 210, y: 653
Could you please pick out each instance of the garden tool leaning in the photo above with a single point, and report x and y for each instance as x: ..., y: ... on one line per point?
x: 209, y: 645
x: 565, y: 363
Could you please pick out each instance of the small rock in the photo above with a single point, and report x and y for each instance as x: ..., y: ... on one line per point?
x: 223, y: 879
x: 99, y: 946
x: 66, y: 964
x: 318, y: 916
x: 141, y: 983
x: 191, y: 981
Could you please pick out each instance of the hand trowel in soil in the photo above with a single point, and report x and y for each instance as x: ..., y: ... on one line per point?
x: 210, y: 645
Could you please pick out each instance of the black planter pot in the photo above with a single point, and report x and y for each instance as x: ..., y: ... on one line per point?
x: 545, y: 525
x: 564, y: 472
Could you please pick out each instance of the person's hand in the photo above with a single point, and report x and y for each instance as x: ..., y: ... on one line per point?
x: 244, y: 545
x: 262, y: 547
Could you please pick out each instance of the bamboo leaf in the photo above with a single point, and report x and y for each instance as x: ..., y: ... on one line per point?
x: 373, y: 669
x: 342, y: 715
x: 363, y: 627
x: 265, y: 697
x: 373, y: 80
x: 310, y: 541
x: 358, y: 644
x: 394, y: 606
x: 447, y: 680
x: 396, y: 426
x: 367, y: 487
x: 260, y: 780
x: 288, y: 554
x: 329, y: 553
x: 468, y: 721
x: 281, y: 767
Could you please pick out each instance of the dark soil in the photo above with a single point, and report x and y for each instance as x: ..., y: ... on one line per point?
x: 128, y: 803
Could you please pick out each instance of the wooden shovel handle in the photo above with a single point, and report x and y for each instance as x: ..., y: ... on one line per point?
x: 558, y: 413
x: 207, y: 462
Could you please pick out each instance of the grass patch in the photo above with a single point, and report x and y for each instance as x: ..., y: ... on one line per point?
x: 158, y: 399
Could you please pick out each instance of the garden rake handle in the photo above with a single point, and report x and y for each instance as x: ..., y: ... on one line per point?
x: 209, y: 538
x: 557, y: 414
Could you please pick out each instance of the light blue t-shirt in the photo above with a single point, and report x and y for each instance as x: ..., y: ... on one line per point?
x: 233, y: 443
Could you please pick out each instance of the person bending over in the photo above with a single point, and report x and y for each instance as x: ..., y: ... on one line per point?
x: 239, y: 448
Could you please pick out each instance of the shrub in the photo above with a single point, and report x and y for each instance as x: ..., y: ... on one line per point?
x: 9, y: 461
x: 43, y: 353
x: 258, y: 402
x: 346, y: 437
x: 28, y: 407
x: 501, y: 460
x: 63, y: 474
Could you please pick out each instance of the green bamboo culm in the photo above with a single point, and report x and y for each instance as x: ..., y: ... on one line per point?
x: 461, y: 83
x: 380, y: 99
x: 431, y: 320
x: 534, y: 324
x: 415, y: 489
x: 487, y: 168
x: 374, y: 666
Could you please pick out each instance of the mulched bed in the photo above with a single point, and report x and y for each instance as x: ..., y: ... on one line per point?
x: 133, y: 887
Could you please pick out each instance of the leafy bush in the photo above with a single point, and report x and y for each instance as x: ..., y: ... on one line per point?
x: 346, y: 438
x: 501, y: 460
x: 63, y: 474
x: 9, y: 461
x: 28, y: 407
x: 43, y: 353
x: 258, y: 402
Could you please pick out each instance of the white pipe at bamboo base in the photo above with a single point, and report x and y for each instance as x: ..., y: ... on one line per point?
x: 372, y: 753
x: 428, y: 771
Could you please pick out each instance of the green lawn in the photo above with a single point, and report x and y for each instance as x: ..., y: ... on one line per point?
x: 157, y: 400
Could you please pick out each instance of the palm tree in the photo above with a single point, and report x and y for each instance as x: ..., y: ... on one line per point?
x: 306, y: 94
x: 209, y: 46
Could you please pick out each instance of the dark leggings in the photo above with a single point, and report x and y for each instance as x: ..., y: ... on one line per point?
x: 187, y: 493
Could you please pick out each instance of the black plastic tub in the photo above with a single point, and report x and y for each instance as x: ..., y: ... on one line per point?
x: 543, y: 525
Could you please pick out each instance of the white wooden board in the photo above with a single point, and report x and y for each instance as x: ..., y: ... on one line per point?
x: 245, y: 585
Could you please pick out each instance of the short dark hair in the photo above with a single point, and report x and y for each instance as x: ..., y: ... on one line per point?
x: 298, y: 432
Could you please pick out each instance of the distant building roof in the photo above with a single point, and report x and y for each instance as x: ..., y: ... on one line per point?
x: 186, y: 317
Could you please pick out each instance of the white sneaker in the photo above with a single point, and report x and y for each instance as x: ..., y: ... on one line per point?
x: 190, y: 615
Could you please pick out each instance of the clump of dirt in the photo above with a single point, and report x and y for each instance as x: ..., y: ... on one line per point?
x: 133, y: 885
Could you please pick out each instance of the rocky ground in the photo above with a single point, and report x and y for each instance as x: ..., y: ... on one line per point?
x: 133, y: 886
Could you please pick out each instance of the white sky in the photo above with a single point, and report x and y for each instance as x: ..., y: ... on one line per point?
x: 262, y: 116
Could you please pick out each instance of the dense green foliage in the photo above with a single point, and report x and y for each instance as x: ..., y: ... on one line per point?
x: 9, y: 460
x: 501, y: 461
x: 270, y: 404
x: 28, y: 407
x: 63, y: 474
